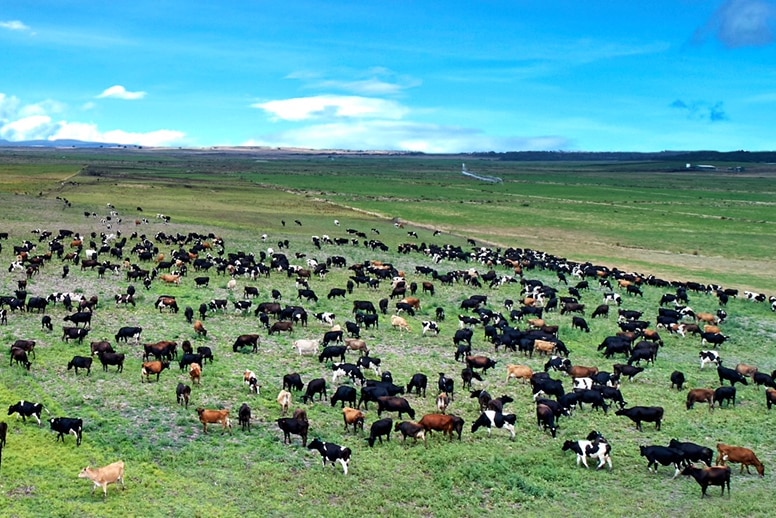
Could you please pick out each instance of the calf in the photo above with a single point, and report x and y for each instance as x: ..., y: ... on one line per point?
x: 221, y: 417
x: 293, y: 425
x: 411, y: 429
x: 677, y: 378
x: 244, y: 417
x: 20, y: 357
x: 67, y: 425
x: 418, y: 382
x: 700, y: 395
x: 352, y: 416
x: 332, y: 452
x: 316, y: 386
x: 662, y: 455
x: 545, y: 419
x: 727, y: 453
x: 710, y: 476
x: 723, y: 394
x: 183, y: 394
x: 101, y: 477
x: 27, y: 409
x: 380, y: 428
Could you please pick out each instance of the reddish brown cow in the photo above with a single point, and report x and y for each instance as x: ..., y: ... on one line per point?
x: 700, y: 395
x: 445, y: 423
x: 745, y: 456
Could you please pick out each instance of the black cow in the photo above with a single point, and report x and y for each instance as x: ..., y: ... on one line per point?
x: 80, y: 362
x: 723, y: 394
x: 336, y: 292
x: 74, y: 333
x: 693, y: 452
x: 183, y: 394
x: 293, y: 425
x: 67, y: 425
x: 293, y: 381
x: 331, y: 352
x: 394, y: 404
x: 649, y: 414
x: 316, y: 386
x: 125, y: 333
x: 663, y: 455
x: 380, y: 428
x: 108, y: 358
x: 733, y: 376
x: 332, y: 336
x: 344, y: 394
x: 418, y: 383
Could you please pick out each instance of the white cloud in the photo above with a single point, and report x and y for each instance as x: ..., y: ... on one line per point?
x: 332, y: 106
x: 14, y: 25
x: 374, y: 81
x: 119, y: 92
x: 20, y: 121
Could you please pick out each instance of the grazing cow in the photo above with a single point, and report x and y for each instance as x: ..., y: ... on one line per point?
x: 195, y: 373
x: 446, y: 384
x: 662, y: 455
x: 356, y: 344
x: 247, y: 340
x: 418, y: 382
x: 199, y: 328
x: 411, y: 429
x: 316, y: 386
x: 101, y: 477
x: 445, y: 423
x: 597, y: 449
x: 332, y: 336
x: 727, y: 453
x: 154, y: 367
x: 125, y: 333
x: 20, y: 357
x: 284, y: 400
x: 344, y: 394
x: 545, y: 419
x: 244, y: 417
x: 399, y: 323
x: 519, y: 371
x: 380, y: 428
x: 208, y: 416
x: 74, y: 333
x: 394, y: 404
x: 480, y: 362
x: 626, y: 370
x: 183, y: 394
x: 297, y: 425
x: 708, y: 356
x: 25, y: 345
x: 27, y: 409
x: 580, y: 323
x: 352, y: 416
x: 639, y: 414
x: 336, y: 292
x: 713, y: 338
x: 443, y: 401
x: 761, y: 378
x: 281, y: 326
x: 429, y: 326
x: 693, y: 452
x: 700, y: 395
x: 677, y: 378
x: 331, y: 352
x: 67, y: 425
x: 309, y: 347
x: 292, y: 381
x: 80, y: 362
x: 710, y: 476
x: 167, y: 303
x: 726, y: 373
x: 332, y: 452
x: 45, y: 323
x: 722, y: 394
x: 770, y: 397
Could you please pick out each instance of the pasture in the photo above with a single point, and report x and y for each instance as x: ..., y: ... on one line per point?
x: 691, y: 226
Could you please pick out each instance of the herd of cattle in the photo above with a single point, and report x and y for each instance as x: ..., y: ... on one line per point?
x: 375, y: 293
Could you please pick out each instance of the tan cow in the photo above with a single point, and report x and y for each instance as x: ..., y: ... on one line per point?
x: 171, y: 278
x: 544, y: 347
x: 284, y: 400
x: 399, y: 323
x: 207, y: 417
x: 519, y: 371
x: 101, y: 477
x: 195, y: 372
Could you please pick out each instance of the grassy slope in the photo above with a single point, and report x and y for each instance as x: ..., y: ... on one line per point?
x: 169, y: 460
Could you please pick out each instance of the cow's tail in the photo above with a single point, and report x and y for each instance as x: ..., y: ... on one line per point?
x: 47, y: 410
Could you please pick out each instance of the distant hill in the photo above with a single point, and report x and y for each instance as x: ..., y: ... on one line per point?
x: 626, y: 156
x: 63, y: 143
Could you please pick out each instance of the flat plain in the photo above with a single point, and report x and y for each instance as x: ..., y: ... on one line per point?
x: 650, y: 218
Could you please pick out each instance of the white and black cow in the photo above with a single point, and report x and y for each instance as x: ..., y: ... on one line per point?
x: 68, y: 425
x: 491, y: 419
x: 332, y: 453
x: 27, y: 409
x: 709, y: 356
x: 429, y: 326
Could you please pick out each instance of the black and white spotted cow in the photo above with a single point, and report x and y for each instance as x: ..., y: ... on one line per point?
x: 709, y: 356
x: 27, y: 409
x: 492, y: 419
x: 68, y: 425
x: 429, y: 326
x: 332, y: 453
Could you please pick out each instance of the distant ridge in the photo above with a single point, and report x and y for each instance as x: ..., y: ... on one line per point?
x: 62, y: 143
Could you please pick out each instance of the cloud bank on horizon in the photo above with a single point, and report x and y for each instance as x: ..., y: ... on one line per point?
x: 467, y: 78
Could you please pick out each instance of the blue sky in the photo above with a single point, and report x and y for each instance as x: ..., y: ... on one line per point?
x: 432, y: 76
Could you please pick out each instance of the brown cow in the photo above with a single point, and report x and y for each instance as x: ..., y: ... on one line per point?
x: 280, y: 326
x: 354, y: 417
x: 357, y: 344
x: 700, y: 395
x: 712, y: 329
x: 150, y: 368
x: 770, y: 397
x: 739, y: 454
x: 709, y: 318
x: 746, y: 370
x: 519, y: 371
x: 544, y: 347
x: 412, y: 301
x: 195, y: 372
x: 171, y: 278
x: 214, y: 416
x: 199, y: 328
x: 578, y: 371
x: 445, y: 423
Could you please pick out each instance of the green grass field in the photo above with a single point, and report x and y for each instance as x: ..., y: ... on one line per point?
x: 642, y: 217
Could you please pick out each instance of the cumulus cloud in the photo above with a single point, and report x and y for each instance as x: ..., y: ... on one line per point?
x: 402, y: 135
x: 701, y: 110
x: 14, y: 25
x: 119, y: 92
x: 19, y: 121
x: 741, y: 23
x: 332, y: 106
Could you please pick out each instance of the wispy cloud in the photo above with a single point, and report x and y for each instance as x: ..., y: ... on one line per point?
x: 701, y: 110
x: 740, y: 23
x: 119, y: 92
x: 402, y: 135
x: 14, y: 25
x: 374, y: 81
x: 332, y: 107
